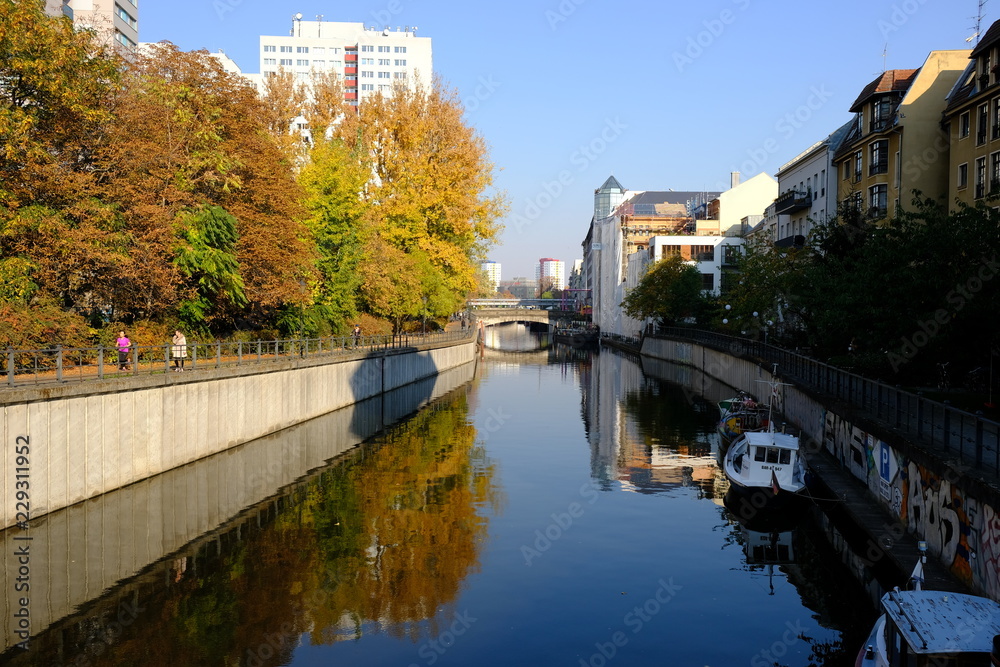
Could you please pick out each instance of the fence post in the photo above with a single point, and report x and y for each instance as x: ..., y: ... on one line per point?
x: 166, y: 357
x: 59, y: 363
x: 258, y: 351
x: 10, y: 366
x: 134, y: 351
x: 239, y: 353
x: 218, y: 353
x: 100, y: 362
x: 194, y: 356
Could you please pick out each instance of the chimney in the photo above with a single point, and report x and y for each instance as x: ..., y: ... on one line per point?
x: 734, y: 179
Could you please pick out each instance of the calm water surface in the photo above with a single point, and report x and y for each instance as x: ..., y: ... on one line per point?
x: 561, y: 509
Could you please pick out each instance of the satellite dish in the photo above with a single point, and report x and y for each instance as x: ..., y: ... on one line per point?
x: 298, y: 17
x: 385, y: 33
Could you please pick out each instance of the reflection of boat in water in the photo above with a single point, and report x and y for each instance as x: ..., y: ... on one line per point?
x: 924, y: 628
x: 763, y: 518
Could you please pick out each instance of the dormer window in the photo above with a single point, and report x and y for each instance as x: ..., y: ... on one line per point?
x: 880, y: 114
x: 861, y: 121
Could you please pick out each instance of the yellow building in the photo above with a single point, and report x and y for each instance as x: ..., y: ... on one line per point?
x: 896, y: 145
x: 972, y: 120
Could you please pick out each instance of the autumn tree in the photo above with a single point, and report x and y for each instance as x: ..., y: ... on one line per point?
x: 429, y: 194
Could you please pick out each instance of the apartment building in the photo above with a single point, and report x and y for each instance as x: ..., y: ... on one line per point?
x: 550, y: 274
x: 887, y: 154
x: 492, y: 271
x: 368, y: 58
x: 114, y: 21
x: 972, y: 125
x: 807, y: 193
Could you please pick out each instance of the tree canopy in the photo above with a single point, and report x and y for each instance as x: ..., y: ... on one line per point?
x: 670, y: 291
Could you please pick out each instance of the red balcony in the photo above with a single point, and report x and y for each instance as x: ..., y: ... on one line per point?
x: 350, y: 70
x: 351, y: 94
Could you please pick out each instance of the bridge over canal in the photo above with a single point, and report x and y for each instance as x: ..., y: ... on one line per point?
x: 495, y: 316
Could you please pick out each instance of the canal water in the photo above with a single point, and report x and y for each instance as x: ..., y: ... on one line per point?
x: 556, y: 506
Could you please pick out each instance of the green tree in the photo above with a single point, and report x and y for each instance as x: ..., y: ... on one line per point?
x: 670, y: 291
x: 206, y: 256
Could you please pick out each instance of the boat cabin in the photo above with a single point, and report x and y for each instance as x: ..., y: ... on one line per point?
x: 924, y: 628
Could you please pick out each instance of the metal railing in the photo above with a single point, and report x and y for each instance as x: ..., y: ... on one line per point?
x: 972, y: 438
x: 81, y: 364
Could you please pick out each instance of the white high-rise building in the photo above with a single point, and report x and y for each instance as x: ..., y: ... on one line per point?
x: 551, y: 273
x: 492, y: 271
x: 116, y: 21
x: 368, y: 58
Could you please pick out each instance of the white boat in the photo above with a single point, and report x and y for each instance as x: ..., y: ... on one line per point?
x: 920, y: 628
x: 767, y: 466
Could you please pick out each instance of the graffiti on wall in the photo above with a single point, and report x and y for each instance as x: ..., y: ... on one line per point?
x: 961, y: 531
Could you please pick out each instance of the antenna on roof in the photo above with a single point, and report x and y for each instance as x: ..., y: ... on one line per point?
x: 885, y: 50
x: 978, y: 25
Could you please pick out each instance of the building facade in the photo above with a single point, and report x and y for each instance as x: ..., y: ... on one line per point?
x: 116, y: 22
x: 492, y: 271
x: 367, y: 58
x: 887, y: 154
x: 972, y: 122
x: 550, y: 274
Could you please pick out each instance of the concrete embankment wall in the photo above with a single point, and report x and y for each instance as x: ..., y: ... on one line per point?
x: 81, y: 551
x: 928, y: 497
x: 67, y: 443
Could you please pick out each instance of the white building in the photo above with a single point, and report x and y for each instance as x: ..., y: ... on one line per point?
x: 807, y: 192
x: 492, y: 271
x: 368, y: 58
x: 114, y: 21
x: 551, y: 272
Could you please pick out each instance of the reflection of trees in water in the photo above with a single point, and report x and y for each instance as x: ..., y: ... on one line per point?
x: 382, y: 540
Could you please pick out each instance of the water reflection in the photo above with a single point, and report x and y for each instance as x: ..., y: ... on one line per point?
x: 377, y: 542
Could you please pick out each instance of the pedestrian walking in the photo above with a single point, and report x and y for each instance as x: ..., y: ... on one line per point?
x: 124, y: 346
x: 178, y: 350
x: 356, y: 334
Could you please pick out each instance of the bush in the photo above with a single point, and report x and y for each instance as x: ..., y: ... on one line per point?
x: 42, y: 326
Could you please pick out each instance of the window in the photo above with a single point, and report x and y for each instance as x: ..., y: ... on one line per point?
x: 124, y: 16
x: 384, y: 87
x: 319, y: 50
x: 400, y: 62
x: 995, y: 173
x: 319, y: 64
x: 703, y: 253
x: 982, y: 122
x: 880, y: 114
x: 286, y: 49
x: 963, y: 175
x: 772, y: 454
x: 707, y: 282
x: 286, y: 62
x: 368, y: 86
x: 383, y: 49
x: 858, y: 158
x: 383, y: 61
x: 302, y: 62
x: 367, y: 74
x: 877, y: 201
x: 337, y: 63
x: 351, y: 77
x: 367, y: 48
x: 383, y: 75
x: 980, y: 177
x: 367, y: 61
x: 301, y: 49
x: 759, y: 453
x: 879, y: 157
x: 270, y: 61
x: 671, y: 251
x: 996, y: 119
x: 399, y: 75
x: 847, y: 169
x: 963, y: 125
x: 400, y: 49
x: 785, y: 456
x: 270, y: 48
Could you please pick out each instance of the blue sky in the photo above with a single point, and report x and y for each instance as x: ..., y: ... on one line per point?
x: 664, y: 95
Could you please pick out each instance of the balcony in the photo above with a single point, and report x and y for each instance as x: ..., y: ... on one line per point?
x: 792, y: 201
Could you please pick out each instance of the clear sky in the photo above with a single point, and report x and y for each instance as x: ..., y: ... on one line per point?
x: 664, y: 95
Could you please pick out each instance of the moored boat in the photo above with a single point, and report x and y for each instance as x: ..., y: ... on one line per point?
x: 767, y: 467
x: 924, y: 628
x: 739, y: 415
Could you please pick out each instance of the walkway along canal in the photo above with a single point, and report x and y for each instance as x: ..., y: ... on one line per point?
x: 68, y: 442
